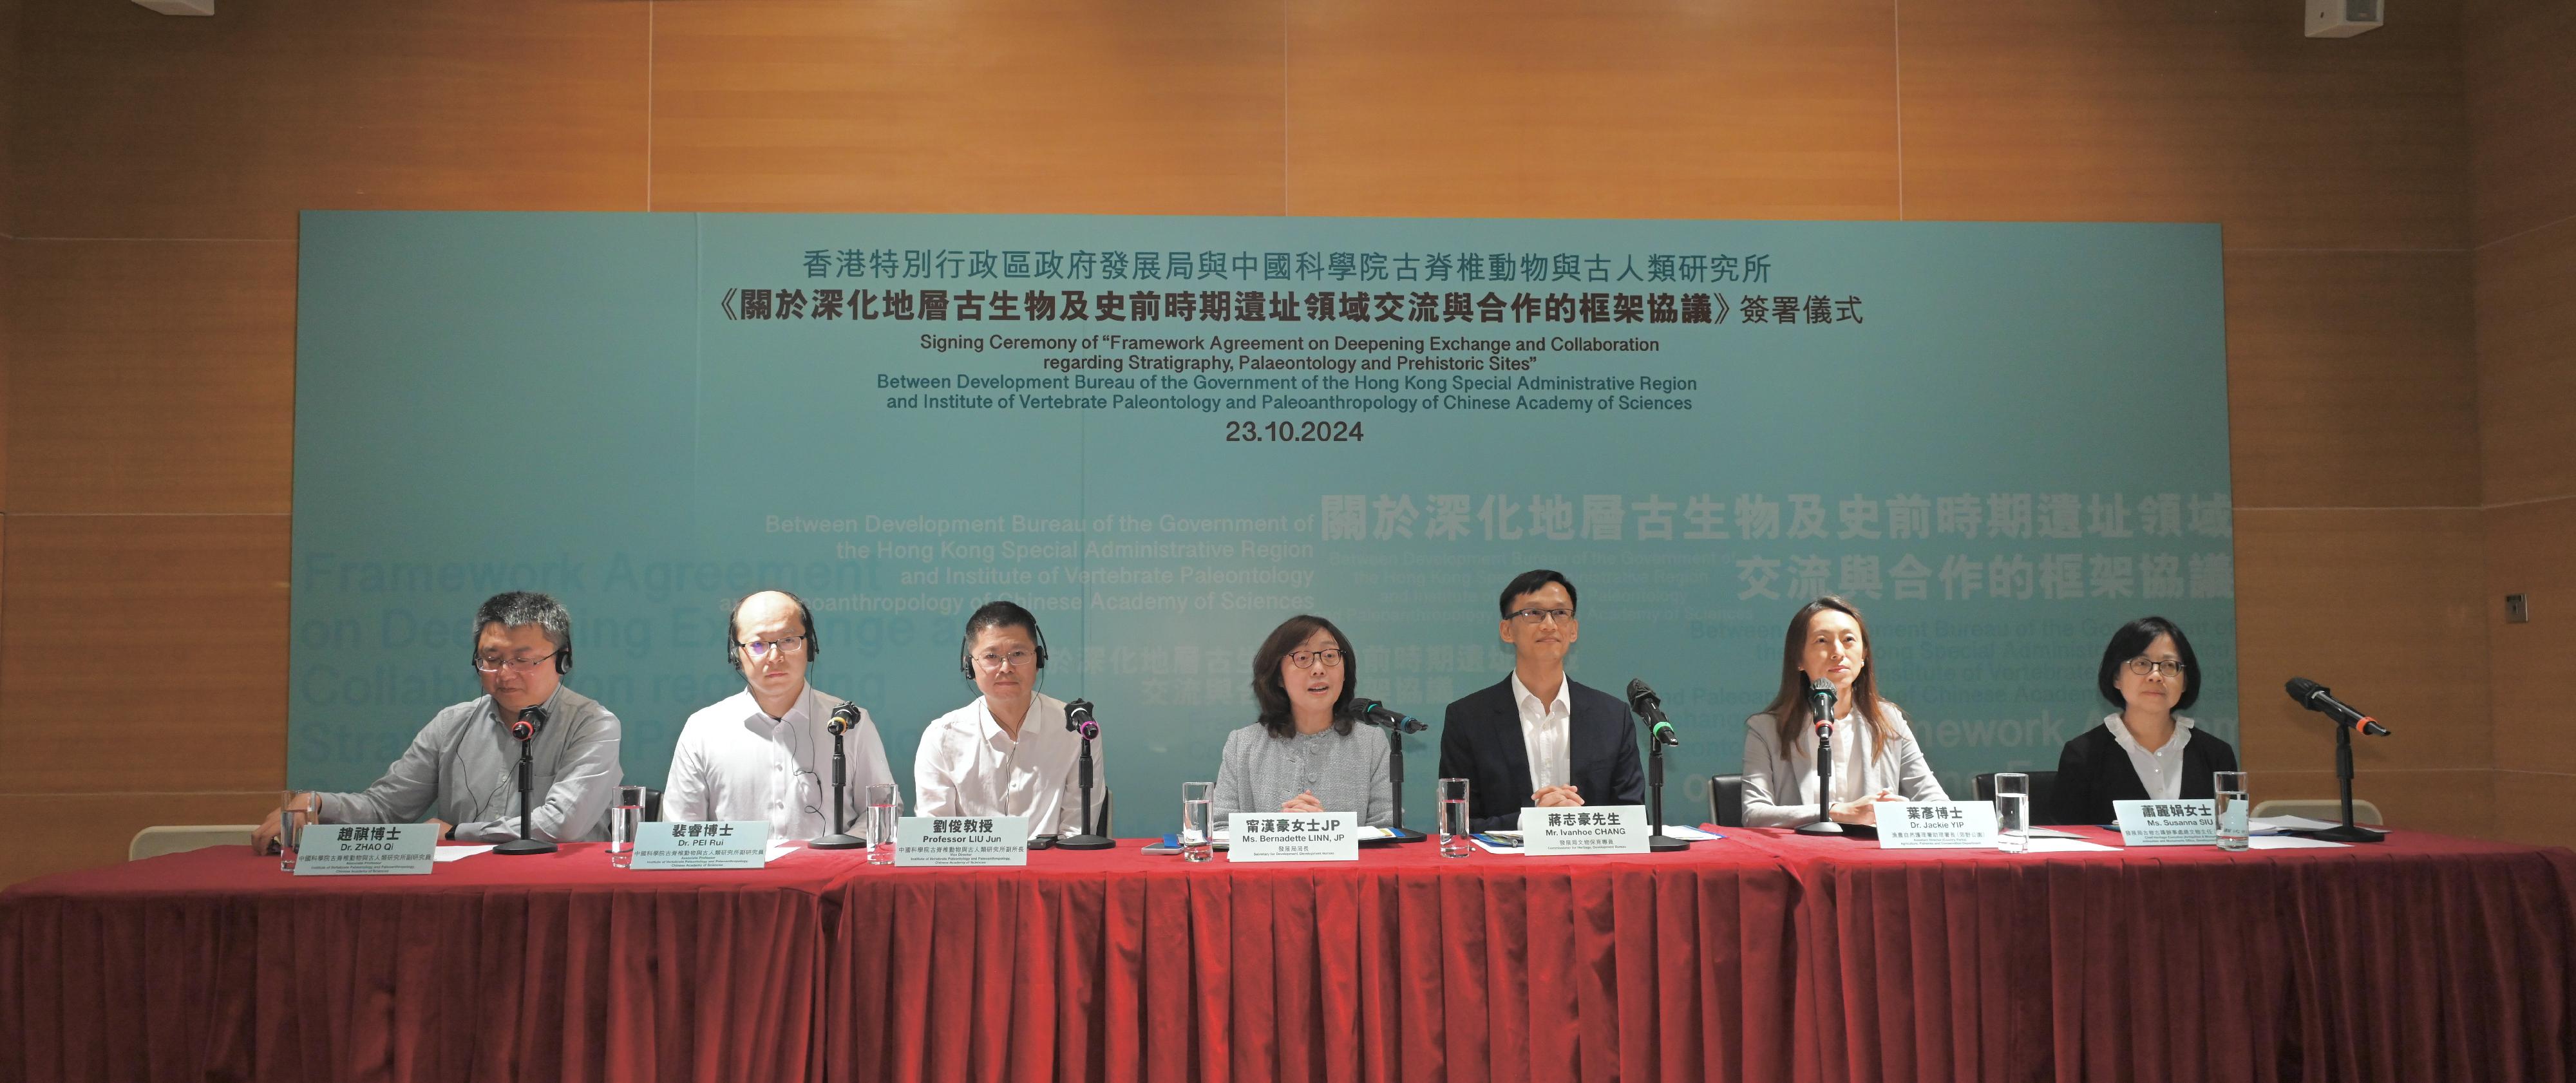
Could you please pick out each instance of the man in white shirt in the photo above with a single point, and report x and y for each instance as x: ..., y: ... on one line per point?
x: 1009, y: 752
x: 761, y: 753
x: 1537, y: 739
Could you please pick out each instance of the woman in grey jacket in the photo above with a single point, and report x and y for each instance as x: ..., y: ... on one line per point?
x: 1875, y: 755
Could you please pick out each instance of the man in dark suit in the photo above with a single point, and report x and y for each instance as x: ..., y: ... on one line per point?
x: 1537, y: 739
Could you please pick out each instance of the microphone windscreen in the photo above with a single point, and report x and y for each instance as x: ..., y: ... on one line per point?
x: 2303, y: 689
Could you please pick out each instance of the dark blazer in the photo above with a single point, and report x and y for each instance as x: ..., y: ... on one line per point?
x: 2094, y: 771
x: 1480, y: 741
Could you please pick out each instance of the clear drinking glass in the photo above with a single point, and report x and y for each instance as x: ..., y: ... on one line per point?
x: 1198, y: 821
x: 1453, y: 818
x: 2012, y: 822
x: 2233, y: 811
x: 294, y: 814
x: 2012, y: 812
x: 625, y: 818
x: 881, y: 810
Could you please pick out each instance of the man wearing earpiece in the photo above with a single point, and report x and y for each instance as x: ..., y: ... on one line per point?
x: 461, y: 771
x: 762, y: 753
x: 1008, y: 753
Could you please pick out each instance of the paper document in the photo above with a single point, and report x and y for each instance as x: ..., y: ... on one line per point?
x: 780, y: 849
x: 1493, y: 849
x: 2065, y: 844
x: 2271, y: 825
x: 2053, y: 833
x: 1690, y: 834
x: 2291, y: 842
x: 1366, y: 833
x: 456, y: 853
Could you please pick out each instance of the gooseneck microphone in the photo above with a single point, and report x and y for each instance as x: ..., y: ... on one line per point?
x: 844, y: 719
x: 531, y: 719
x: 1078, y: 719
x: 1650, y: 707
x: 2317, y: 697
x: 1396, y: 724
x: 1376, y: 713
x: 1820, y: 703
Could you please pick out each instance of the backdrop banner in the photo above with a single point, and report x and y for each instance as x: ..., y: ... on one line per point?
x: 1166, y: 435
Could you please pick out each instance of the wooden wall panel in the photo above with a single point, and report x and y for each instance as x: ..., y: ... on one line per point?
x: 925, y: 105
x: 2526, y: 304
x: 2522, y: 113
x: 92, y: 829
x: 153, y: 376
x: 2184, y: 110
x: 2352, y: 379
x: 2382, y: 607
x: 2534, y: 664
x: 1633, y: 109
x: 2532, y: 807
x: 144, y: 125
x: 143, y: 653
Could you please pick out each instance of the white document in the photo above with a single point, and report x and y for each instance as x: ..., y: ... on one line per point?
x: 2291, y: 842
x: 2271, y: 825
x: 459, y: 853
x: 1490, y: 848
x: 1691, y: 834
x: 780, y: 849
x: 2052, y: 844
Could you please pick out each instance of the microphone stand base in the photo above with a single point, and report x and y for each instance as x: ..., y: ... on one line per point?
x: 2344, y: 833
x: 1822, y: 827
x: 1084, y: 842
x: 525, y: 846
x: 837, y: 842
x: 1407, y: 834
x: 1665, y: 844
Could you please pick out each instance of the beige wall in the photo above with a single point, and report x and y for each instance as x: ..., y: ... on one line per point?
x: 2522, y: 124
x: 157, y: 164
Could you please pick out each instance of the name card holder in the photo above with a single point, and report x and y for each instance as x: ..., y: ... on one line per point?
x: 1293, y: 836
x: 1603, y: 829
x: 2168, y: 823
x: 711, y: 844
x: 367, y: 850
x: 954, y: 841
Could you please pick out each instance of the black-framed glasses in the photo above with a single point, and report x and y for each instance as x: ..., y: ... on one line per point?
x: 1537, y: 616
x: 1329, y: 659
x: 2145, y: 667
x: 522, y: 665
x: 762, y: 648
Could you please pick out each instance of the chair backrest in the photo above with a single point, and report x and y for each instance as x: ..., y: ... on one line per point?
x: 2329, y: 809
x: 2043, y: 791
x: 156, y: 841
x: 1726, y: 800
x: 652, y: 805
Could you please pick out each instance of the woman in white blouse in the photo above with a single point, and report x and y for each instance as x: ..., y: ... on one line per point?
x: 1875, y: 755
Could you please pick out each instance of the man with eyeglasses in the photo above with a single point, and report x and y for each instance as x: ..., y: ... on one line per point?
x: 461, y: 771
x: 760, y: 753
x: 1537, y: 738
x: 1008, y: 753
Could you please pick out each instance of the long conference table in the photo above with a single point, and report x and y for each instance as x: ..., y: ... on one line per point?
x: 1761, y: 956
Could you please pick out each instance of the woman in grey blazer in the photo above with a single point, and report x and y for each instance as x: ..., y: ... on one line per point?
x: 1875, y: 755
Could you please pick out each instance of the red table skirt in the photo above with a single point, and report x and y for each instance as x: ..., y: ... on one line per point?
x: 1761, y: 957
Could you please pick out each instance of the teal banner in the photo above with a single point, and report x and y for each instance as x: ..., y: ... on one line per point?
x: 1166, y: 435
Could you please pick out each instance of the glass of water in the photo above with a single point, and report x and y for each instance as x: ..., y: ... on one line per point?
x: 625, y: 818
x: 1198, y: 821
x: 2233, y: 812
x: 2012, y: 812
x: 1453, y: 818
x: 881, y: 809
x: 294, y: 813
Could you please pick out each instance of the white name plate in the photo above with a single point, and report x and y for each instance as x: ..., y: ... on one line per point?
x: 2168, y: 823
x: 713, y: 844
x: 948, y: 841
x: 1605, y: 829
x: 367, y: 850
x: 1936, y: 825
x: 1293, y: 836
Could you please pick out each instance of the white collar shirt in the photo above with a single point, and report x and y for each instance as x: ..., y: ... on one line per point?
x: 968, y: 765
x: 2161, y: 770
x: 1546, y: 733
x: 735, y: 762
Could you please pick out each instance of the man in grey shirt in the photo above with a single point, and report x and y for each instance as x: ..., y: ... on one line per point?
x: 461, y: 772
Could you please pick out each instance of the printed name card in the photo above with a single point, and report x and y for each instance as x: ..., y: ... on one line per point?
x: 949, y: 841
x: 367, y: 850
x: 2168, y: 823
x: 715, y: 844
x: 1936, y: 825
x: 1293, y: 836
x: 1608, y: 829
